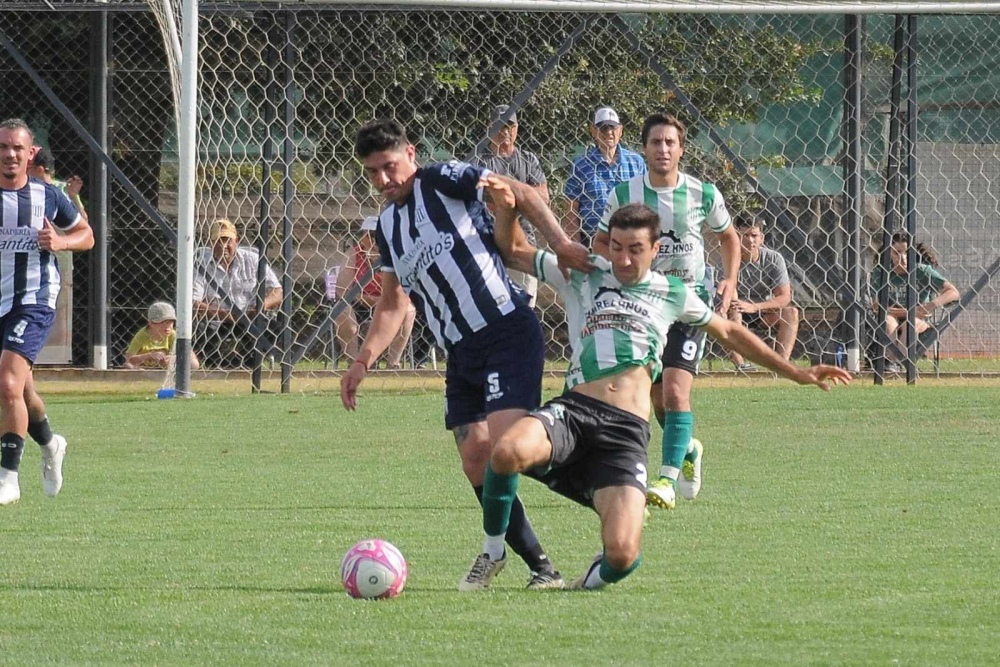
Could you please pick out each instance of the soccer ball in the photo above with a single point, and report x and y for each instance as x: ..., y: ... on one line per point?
x: 373, y: 570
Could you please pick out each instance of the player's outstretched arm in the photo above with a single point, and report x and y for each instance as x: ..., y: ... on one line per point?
x: 738, y: 338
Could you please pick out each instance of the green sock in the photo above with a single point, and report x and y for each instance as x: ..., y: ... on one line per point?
x: 609, y: 575
x: 499, y: 492
x: 677, y: 430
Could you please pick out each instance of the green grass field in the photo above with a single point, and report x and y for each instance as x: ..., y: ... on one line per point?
x: 855, y: 528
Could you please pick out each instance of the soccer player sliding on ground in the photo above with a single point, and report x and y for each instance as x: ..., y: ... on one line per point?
x: 589, y: 444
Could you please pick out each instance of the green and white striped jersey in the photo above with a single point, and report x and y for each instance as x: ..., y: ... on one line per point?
x: 613, y: 326
x: 683, y: 211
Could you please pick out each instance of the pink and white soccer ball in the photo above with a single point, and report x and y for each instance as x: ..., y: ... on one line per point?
x: 373, y: 570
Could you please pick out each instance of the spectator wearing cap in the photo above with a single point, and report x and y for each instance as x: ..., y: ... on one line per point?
x: 153, y: 345
x: 43, y: 167
x: 503, y: 157
x: 357, y: 265
x: 592, y: 175
x: 763, y: 293
x: 224, y: 294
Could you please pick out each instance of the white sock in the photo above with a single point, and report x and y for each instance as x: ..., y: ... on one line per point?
x: 493, y: 545
x: 669, y: 473
x: 594, y: 580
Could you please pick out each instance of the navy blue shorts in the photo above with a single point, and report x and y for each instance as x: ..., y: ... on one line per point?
x: 25, y: 329
x: 497, y: 368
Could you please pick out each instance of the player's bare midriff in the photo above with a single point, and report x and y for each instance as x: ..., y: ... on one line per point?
x: 628, y: 391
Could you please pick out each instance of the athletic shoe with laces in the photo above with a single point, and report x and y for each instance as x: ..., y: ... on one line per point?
x: 10, y: 490
x: 579, y: 584
x: 546, y: 580
x: 661, y: 494
x: 481, y: 573
x: 689, y: 483
x: 52, y: 461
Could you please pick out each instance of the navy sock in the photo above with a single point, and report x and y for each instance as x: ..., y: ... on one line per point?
x: 40, y: 431
x: 11, y: 447
x: 521, y: 536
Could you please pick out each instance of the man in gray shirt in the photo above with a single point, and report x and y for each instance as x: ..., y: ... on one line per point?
x: 764, y: 294
x: 504, y: 158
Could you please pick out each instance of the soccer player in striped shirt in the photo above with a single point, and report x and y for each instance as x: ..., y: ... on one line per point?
x: 684, y: 205
x: 30, y: 213
x: 435, y: 239
x: 590, y: 443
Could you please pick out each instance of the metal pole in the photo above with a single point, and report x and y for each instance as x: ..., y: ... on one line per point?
x: 267, y: 160
x: 853, y: 34
x: 891, y: 198
x: 287, y: 195
x: 187, y: 146
x: 911, y: 198
x: 98, y: 213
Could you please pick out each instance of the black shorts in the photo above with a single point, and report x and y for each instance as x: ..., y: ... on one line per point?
x: 497, y: 368
x: 685, y: 345
x: 25, y: 329
x: 594, y: 446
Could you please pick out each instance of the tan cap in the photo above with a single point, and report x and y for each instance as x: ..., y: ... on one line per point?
x: 161, y: 311
x: 222, y: 229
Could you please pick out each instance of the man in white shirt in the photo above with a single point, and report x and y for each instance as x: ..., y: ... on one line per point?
x: 224, y: 295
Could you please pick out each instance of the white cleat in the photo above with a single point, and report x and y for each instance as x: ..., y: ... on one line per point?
x: 689, y: 482
x: 481, y: 573
x: 661, y: 494
x: 52, y: 461
x: 10, y: 490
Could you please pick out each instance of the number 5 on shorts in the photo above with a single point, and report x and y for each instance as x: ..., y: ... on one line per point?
x: 493, y: 380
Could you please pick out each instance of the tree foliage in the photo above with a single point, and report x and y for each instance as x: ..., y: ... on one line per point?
x: 440, y: 73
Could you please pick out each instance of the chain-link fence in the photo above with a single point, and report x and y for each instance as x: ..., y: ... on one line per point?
x: 283, y: 90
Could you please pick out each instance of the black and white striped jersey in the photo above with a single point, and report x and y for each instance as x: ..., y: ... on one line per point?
x: 440, y: 246
x: 29, y: 275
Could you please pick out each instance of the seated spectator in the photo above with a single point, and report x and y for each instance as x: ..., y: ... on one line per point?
x: 153, y: 345
x: 357, y: 264
x: 933, y: 292
x: 764, y: 293
x: 225, y: 293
